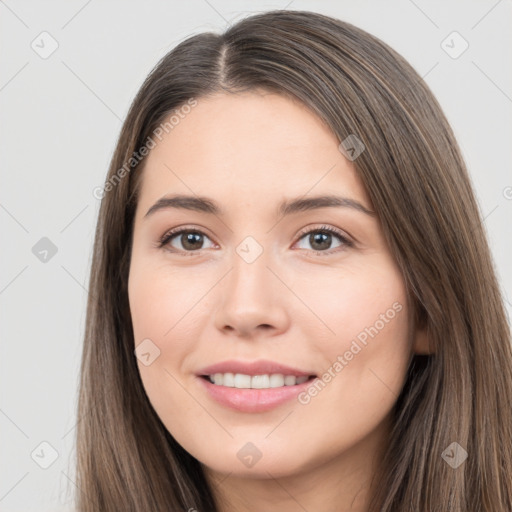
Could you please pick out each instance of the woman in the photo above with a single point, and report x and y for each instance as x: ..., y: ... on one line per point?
x: 334, y: 338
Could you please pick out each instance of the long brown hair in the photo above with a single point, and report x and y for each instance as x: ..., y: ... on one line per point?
x: 419, y: 186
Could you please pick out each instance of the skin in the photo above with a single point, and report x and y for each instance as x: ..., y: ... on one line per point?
x: 293, y: 304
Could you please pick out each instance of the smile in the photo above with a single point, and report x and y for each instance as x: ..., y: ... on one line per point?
x: 266, y: 381
x: 251, y: 399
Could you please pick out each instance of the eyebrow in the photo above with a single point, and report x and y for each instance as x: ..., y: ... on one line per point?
x: 287, y: 207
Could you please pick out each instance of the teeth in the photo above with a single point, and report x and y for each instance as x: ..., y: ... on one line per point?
x: 228, y: 380
x: 276, y: 380
x: 289, y: 380
x: 260, y: 381
x: 241, y: 381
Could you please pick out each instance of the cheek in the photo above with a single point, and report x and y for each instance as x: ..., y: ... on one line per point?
x: 163, y: 300
x: 367, y: 353
x: 166, y: 313
x: 351, y: 302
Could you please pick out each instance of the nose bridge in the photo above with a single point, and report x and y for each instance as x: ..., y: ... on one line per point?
x: 251, y: 279
x: 251, y: 293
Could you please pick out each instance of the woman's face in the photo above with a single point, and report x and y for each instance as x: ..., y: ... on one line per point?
x: 251, y: 282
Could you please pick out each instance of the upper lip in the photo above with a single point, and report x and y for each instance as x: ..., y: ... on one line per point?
x: 260, y: 367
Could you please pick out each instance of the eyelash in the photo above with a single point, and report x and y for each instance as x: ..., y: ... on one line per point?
x: 169, y: 235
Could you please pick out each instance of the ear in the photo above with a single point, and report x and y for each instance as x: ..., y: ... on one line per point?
x: 421, y: 343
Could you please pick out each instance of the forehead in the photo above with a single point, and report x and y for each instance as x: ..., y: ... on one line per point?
x: 248, y: 147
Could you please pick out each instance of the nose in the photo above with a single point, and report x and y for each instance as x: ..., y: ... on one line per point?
x: 252, y: 299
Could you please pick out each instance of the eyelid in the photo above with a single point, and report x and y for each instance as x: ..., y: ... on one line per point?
x: 345, y: 239
x: 171, y: 233
x: 330, y: 229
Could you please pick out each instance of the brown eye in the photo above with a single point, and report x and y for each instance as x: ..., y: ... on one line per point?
x: 188, y: 240
x: 321, y: 239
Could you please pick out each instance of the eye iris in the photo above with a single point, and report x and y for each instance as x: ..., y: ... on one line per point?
x: 324, y: 239
x: 189, y: 240
x: 192, y: 240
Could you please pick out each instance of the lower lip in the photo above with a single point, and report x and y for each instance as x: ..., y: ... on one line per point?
x: 253, y: 400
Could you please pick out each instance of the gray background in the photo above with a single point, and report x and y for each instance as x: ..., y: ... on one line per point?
x: 60, y: 117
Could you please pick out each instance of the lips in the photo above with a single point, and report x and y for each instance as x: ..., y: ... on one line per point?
x: 251, y: 400
x: 261, y: 367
